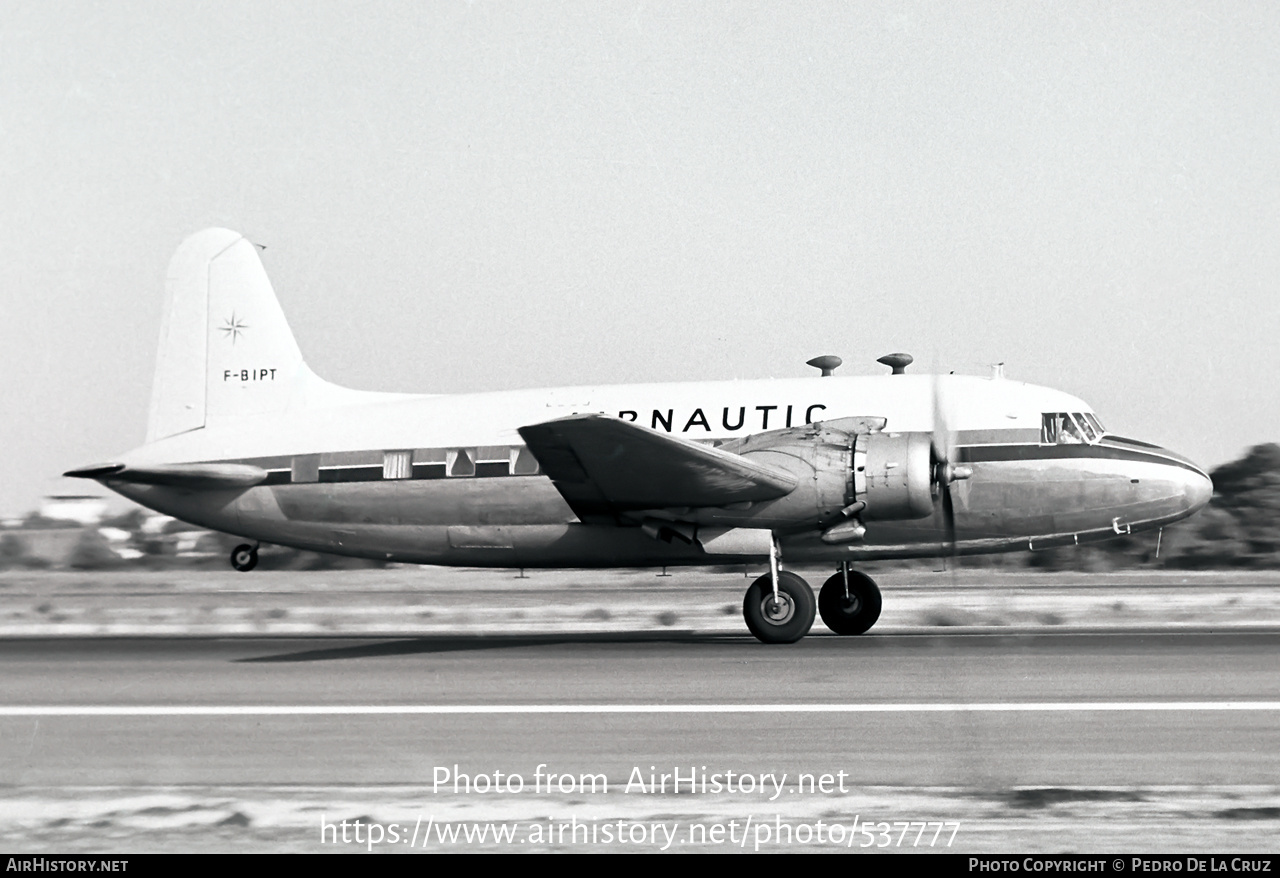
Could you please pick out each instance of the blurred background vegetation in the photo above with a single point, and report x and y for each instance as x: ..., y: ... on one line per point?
x: 1240, y: 528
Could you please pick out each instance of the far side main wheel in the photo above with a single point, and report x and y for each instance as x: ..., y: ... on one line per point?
x: 785, y: 620
x: 244, y: 557
x: 853, y: 614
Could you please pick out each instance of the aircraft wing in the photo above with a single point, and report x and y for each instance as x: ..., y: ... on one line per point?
x: 176, y: 475
x: 604, y: 466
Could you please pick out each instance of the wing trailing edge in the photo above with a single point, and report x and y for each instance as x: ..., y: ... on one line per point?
x: 604, y: 466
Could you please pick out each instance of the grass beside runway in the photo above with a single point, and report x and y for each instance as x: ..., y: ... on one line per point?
x: 430, y: 600
x: 1022, y: 820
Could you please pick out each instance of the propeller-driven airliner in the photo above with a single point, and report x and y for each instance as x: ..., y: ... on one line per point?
x: 242, y: 437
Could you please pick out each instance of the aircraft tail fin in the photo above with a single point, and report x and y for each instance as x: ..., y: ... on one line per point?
x: 226, y: 349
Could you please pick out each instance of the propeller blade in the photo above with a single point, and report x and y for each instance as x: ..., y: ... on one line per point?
x: 942, y: 438
x: 949, y: 520
x: 944, y: 469
x: 938, y: 431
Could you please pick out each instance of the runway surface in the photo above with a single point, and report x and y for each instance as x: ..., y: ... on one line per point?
x: 1013, y: 742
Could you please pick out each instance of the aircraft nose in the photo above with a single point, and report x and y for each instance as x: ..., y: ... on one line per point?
x: 1197, y: 489
x: 1174, y: 489
x: 1193, y: 483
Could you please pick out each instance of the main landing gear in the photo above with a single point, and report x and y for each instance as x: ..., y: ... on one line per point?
x: 849, y: 603
x: 244, y: 557
x: 784, y: 619
x: 779, y: 606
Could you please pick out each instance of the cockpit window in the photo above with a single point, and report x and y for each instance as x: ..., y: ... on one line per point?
x: 1090, y: 435
x: 1050, y: 427
x: 1069, y: 431
x: 1069, y: 428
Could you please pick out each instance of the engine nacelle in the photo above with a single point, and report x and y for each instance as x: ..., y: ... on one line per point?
x: 893, y: 475
x: 847, y: 471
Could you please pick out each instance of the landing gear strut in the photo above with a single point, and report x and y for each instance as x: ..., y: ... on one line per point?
x: 784, y: 618
x: 849, y: 602
x: 244, y: 557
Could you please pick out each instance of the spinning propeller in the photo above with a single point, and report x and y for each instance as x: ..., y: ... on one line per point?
x: 945, y: 471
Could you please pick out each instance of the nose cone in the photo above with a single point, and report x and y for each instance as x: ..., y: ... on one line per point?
x: 1166, y: 486
x: 1192, y: 484
x: 1197, y: 489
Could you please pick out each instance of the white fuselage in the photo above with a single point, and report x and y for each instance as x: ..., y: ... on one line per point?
x: 466, y: 500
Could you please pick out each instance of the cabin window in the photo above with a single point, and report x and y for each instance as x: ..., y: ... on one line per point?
x: 397, y: 464
x: 428, y: 463
x: 523, y: 463
x: 492, y: 453
x: 305, y: 468
x: 459, y: 462
x: 493, y: 461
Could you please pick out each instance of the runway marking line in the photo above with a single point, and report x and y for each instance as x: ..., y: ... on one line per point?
x: 464, y: 709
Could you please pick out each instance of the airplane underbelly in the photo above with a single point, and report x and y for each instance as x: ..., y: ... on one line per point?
x: 525, y: 522
x: 509, y: 546
x: 522, y: 522
x: 531, y: 500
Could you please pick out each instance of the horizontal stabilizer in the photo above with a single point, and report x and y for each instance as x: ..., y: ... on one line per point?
x: 604, y: 466
x: 176, y: 475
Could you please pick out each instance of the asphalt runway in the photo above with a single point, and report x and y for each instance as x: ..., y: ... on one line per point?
x: 1105, y: 728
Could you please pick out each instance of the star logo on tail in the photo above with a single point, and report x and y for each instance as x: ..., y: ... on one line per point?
x: 233, y: 327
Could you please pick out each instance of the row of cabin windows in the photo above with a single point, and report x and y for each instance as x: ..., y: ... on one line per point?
x: 457, y: 462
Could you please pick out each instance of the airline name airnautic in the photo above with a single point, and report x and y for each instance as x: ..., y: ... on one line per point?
x: 731, y: 418
x: 782, y: 416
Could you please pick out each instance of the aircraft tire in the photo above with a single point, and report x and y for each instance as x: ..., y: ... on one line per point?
x: 853, y: 615
x: 244, y: 557
x: 790, y: 619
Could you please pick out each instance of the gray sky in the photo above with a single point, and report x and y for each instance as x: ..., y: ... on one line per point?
x: 465, y: 197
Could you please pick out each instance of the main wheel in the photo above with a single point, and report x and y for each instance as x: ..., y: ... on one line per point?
x: 785, y: 620
x: 244, y: 557
x: 853, y: 614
